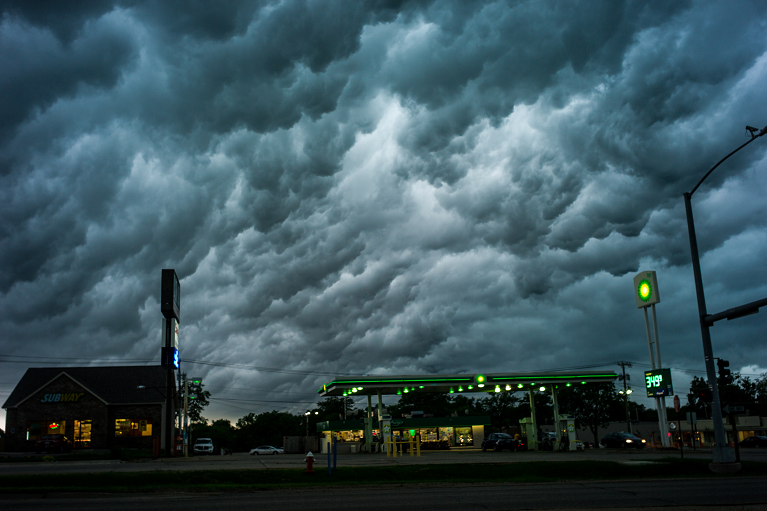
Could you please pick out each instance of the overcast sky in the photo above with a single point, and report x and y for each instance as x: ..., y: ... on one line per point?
x: 381, y: 187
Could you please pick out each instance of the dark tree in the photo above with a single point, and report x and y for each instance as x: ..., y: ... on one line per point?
x: 694, y: 400
x: 464, y: 405
x: 503, y: 409
x: 198, y: 400
x: 332, y: 408
x: 438, y: 405
x: 267, y: 428
x: 220, y: 431
x: 592, y: 405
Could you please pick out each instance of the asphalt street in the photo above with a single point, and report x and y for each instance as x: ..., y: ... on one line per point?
x: 740, y: 493
x: 241, y: 461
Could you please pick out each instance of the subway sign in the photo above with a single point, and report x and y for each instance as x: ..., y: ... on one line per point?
x: 72, y: 397
x: 658, y: 383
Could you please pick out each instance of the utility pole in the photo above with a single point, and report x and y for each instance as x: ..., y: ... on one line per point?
x: 626, y: 391
x: 186, y: 415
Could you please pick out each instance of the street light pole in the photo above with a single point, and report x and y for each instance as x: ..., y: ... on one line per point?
x: 722, y: 452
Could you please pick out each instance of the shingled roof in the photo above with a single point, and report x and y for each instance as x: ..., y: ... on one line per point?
x: 114, y: 385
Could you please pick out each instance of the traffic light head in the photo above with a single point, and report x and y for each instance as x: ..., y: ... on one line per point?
x: 724, y: 373
x: 705, y: 395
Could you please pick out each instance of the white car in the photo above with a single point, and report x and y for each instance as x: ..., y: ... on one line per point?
x: 266, y: 449
x: 203, y: 446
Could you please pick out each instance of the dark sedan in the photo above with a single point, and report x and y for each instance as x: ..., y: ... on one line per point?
x: 501, y: 441
x: 754, y: 441
x: 53, y: 443
x: 623, y: 440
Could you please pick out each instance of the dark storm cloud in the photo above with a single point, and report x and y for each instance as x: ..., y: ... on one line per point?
x: 360, y: 187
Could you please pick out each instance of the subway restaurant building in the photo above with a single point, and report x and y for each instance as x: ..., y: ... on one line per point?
x: 94, y: 407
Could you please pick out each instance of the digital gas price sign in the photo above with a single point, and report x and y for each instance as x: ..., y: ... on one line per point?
x: 658, y: 383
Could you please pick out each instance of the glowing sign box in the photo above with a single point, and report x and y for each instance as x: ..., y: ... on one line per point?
x: 646, y: 289
x: 658, y: 383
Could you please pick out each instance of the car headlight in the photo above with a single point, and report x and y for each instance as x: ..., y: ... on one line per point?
x: 644, y: 441
x: 629, y: 441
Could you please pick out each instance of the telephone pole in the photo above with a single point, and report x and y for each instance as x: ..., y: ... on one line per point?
x: 626, y: 391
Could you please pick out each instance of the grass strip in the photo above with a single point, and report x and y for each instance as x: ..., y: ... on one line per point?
x: 253, y: 480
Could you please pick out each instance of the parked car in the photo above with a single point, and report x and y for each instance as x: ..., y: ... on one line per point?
x: 754, y: 441
x: 203, y: 446
x: 548, y: 440
x: 53, y: 443
x: 623, y: 440
x: 501, y: 441
x: 266, y: 449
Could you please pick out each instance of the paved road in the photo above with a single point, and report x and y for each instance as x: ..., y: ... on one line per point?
x: 745, y: 493
x: 244, y: 461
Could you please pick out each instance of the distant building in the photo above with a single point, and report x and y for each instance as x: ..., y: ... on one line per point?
x: 95, y: 407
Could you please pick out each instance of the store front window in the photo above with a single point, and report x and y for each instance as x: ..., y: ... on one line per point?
x: 447, y: 435
x: 55, y: 427
x: 133, y: 427
x: 350, y: 436
x: 83, y: 434
x: 34, y: 430
x: 463, y: 437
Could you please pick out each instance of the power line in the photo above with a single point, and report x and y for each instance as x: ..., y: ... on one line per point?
x: 256, y: 401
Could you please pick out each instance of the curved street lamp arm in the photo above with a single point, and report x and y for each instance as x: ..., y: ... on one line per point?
x: 753, y: 137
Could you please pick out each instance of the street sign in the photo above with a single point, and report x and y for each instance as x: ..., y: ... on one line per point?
x: 676, y: 403
x: 728, y: 409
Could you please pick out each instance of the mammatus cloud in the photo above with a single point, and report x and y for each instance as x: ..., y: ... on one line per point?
x: 379, y: 187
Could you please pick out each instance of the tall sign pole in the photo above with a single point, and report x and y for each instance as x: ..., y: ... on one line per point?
x: 647, y: 295
x: 170, y: 302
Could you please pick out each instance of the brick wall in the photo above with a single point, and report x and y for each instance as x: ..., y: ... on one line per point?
x: 86, y: 407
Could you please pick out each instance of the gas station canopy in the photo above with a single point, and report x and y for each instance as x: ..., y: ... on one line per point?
x: 458, y: 383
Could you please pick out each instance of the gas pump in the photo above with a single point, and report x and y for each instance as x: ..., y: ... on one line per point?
x: 529, y: 430
x: 566, y: 428
x: 385, y: 425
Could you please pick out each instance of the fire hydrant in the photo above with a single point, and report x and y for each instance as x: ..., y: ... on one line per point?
x: 309, y: 464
